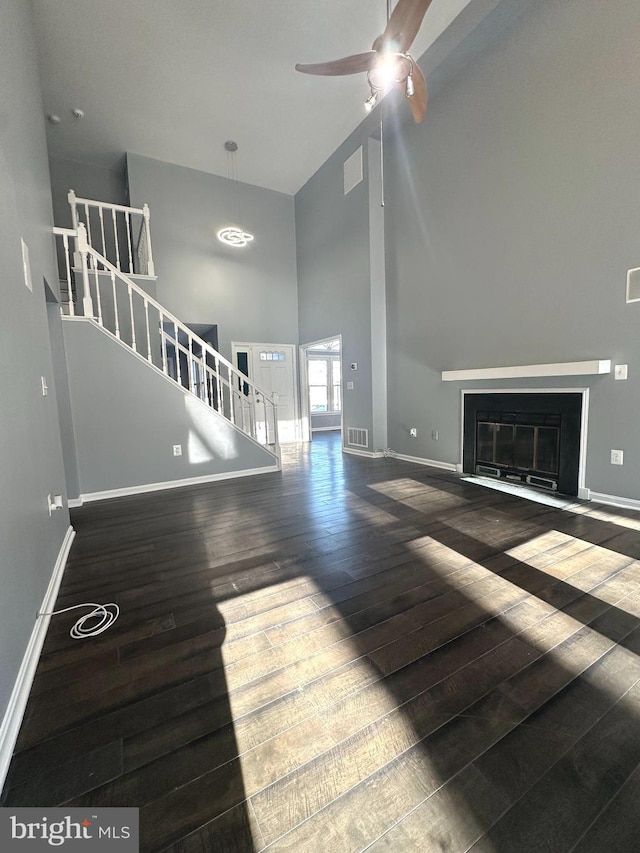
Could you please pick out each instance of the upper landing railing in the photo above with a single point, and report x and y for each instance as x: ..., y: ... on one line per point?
x: 120, y: 234
x: 99, y: 289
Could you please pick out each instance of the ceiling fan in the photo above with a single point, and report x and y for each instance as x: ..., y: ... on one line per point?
x: 388, y: 63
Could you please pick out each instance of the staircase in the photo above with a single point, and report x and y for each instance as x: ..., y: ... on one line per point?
x: 108, y: 247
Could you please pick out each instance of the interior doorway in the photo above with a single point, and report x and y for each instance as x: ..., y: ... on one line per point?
x: 321, y: 386
x: 273, y: 368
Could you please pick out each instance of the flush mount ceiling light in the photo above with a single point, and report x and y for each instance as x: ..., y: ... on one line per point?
x: 233, y: 235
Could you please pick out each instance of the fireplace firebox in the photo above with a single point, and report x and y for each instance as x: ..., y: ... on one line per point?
x: 527, y: 438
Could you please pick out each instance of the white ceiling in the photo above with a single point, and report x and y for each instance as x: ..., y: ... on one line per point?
x: 175, y: 79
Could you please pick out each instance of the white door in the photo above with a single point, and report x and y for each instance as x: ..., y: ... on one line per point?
x: 273, y: 368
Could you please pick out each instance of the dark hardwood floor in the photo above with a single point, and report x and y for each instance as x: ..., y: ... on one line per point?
x: 350, y: 655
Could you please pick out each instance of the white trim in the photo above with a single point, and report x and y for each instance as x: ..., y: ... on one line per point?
x: 326, y: 429
x: 133, y: 275
x: 73, y: 503
x: 615, y: 500
x: 20, y: 694
x: 566, y: 368
x: 174, y: 484
x: 369, y: 454
x: 420, y: 460
x: 582, y: 457
x: 584, y: 422
x: 305, y: 414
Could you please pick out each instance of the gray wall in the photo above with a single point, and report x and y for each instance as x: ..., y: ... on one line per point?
x: 30, y: 453
x: 127, y: 417
x: 250, y: 293
x: 326, y: 421
x: 511, y: 218
x: 65, y: 420
x: 88, y: 181
x: 332, y: 234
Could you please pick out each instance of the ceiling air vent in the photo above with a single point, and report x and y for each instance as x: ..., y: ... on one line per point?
x: 353, y: 171
x: 357, y: 437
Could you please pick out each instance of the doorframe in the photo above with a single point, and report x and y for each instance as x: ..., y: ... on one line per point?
x: 305, y: 414
x: 242, y: 346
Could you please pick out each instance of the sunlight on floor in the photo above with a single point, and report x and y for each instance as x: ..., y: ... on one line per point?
x: 284, y: 687
x: 609, y: 515
x: 290, y: 645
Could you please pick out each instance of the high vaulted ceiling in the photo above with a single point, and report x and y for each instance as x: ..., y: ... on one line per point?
x: 175, y: 79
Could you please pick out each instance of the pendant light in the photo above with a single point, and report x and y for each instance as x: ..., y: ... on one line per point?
x: 233, y: 235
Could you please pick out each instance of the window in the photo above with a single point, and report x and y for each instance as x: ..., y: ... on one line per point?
x: 324, y: 384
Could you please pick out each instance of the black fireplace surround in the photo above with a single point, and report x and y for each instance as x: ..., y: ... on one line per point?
x: 527, y: 438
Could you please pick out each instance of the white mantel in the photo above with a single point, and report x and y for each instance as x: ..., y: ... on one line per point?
x: 566, y: 368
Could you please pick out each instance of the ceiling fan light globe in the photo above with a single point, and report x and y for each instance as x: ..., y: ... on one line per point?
x: 387, y: 71
x: 371, y: 101
x: 410, y: 89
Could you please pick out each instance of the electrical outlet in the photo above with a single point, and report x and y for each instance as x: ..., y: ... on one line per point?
x: 434, y: 434
x: 349, y: 386
x: 177, y: 450
x: 620, y: 371
x: 617, y: 457
x: 413, y: 432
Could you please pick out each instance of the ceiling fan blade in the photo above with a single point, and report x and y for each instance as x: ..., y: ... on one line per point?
x: 418, y: 101
x: 403, y: 26
x: 349, y: 65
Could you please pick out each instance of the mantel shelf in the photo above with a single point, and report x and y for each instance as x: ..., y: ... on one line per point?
x: 566, y: 368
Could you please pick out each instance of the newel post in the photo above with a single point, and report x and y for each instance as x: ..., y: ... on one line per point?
x: 87, y: 302
x: 276, y: 438
x: 71, y: 196
x: 150, y: 266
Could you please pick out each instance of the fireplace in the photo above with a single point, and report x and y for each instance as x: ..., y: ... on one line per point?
x: 525, y: 438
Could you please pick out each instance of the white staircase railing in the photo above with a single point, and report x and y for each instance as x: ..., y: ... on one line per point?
x: 99, y: 290
x: 120, y: 234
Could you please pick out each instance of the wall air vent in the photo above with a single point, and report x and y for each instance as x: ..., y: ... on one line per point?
x: 633, y: 279
x: 357, y: 437
x: 353, y: 171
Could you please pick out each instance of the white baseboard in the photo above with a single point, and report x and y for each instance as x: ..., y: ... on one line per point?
x: 171, y: 484
x: 615, y: 500
x: 326, y: 429
x: 419, y: 460
x: 22, y: 687
x: 74, y: 502
x: 369, y: 454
